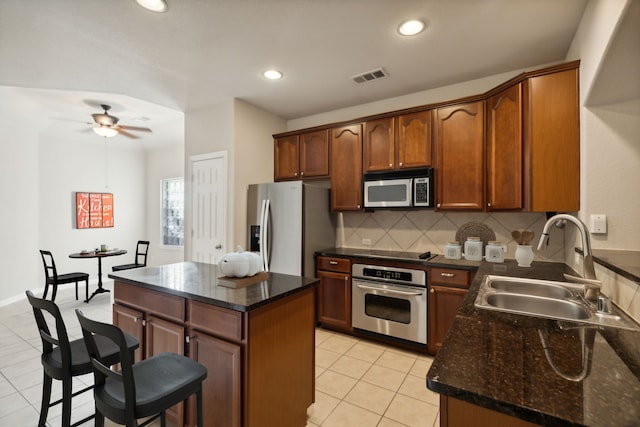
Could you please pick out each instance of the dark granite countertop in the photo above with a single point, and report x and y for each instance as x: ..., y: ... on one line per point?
x: 375, y: 254
x: 625, y: 263
x: 199, y: 281
x: 497, y: 361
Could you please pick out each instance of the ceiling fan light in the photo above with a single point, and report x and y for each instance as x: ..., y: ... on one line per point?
x: 105, y: 131
x: 153, y: 5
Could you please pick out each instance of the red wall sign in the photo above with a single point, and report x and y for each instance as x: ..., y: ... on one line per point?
x: 94, y: 210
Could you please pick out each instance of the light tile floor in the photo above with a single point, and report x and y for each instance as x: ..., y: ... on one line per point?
x: 358, y: 382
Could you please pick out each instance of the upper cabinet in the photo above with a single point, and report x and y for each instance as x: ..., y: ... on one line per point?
x: 302, y: 156
x: 504, y: 150
x: 346, y: 168
x: 398, y: 142
x: 514, y: 148
x: 459, y: 146
x: 413, y: 140
x: 552, y: 142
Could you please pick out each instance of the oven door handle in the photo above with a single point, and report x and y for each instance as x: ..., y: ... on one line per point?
x: 388, y: 291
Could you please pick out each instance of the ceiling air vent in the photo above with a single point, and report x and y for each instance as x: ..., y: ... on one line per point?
x: 376, y: 74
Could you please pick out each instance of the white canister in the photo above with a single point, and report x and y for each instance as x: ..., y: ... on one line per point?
x: 495, y: 251
x: 473, y: 249
x: 453, y: 250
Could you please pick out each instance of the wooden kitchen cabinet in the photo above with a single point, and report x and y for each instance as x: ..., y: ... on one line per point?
x: 379, y: 145
x: 334, y: 293
x: 157, y: 321
x: 505, y: 150
x: 413, y: 140
x: 448, y: 287
x: 552, y: 142
x: 346, y: 168
x: 399, y: 142
x: 301, y: 156
x: 458, y: 413
x: 459, y: 146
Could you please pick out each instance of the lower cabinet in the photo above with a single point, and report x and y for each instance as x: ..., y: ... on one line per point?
x: 222, y: 387
x: 447, y: 289
x: 457, y: 413
x: 260, y: 363
x: 156, y: 334
x: 334, y: 293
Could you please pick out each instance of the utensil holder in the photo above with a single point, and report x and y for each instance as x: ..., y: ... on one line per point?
x: 524, y: 255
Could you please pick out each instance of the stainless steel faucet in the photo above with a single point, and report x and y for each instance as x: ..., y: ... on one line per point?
x: 588, y: 278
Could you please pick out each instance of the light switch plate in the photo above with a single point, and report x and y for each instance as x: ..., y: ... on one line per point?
x: 598, y: 224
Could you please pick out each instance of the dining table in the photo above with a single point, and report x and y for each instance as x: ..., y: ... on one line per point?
x: 98, y: 254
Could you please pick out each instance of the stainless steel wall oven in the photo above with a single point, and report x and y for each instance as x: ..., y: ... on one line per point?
x: 390, y: 301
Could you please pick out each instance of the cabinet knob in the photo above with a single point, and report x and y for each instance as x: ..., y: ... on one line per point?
x: 438, y: 205
x: 218, y: 246
x: 295, y: 174
x: 489, y: 204
x: 400, y: 164
x: 432, y: 291
x: 333, y: 262
x: 301, y: 173
x: 447, y: 274
x: 390, y: 165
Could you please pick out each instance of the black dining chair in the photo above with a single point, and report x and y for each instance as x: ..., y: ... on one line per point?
x: 144, y: 389
x: 51, y: 277
x: 63, y: 359
x: 140, y: 260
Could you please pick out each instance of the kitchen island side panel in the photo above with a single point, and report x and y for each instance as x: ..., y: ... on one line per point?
x: 280, y: 360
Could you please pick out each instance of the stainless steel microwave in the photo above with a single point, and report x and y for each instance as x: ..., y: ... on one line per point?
x: 402, y: 189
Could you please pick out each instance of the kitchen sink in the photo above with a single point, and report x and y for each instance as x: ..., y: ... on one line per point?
x: 546, y: 299
x: 538, y: 306
x: 548, y: 290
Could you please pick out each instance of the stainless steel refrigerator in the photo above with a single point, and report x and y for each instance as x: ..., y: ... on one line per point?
x: 287, y: 223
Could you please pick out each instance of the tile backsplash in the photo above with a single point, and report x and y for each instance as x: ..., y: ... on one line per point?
x: 428, y: 230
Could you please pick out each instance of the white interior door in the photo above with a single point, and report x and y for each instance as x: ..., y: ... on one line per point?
x: 209, y: 205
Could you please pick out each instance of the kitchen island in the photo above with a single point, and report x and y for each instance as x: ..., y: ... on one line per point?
x: 257, y: 341
x: 493, y: 369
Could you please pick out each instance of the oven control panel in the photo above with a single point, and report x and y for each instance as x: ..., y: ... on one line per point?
x: 389, y: 274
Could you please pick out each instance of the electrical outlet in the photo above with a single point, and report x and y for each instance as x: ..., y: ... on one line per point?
x: 366, y: 242
x: 598, y: 224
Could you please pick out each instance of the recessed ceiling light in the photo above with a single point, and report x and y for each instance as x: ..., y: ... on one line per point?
x: 411, y: 27
x: 272, y: 74
x: 153, y: 5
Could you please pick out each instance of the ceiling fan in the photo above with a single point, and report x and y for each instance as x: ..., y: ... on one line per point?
x: 107, y: 125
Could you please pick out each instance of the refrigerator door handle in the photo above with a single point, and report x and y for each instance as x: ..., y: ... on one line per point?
x: 264, y: 234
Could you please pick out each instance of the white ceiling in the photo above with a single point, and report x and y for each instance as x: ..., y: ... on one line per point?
x: 203, y: 51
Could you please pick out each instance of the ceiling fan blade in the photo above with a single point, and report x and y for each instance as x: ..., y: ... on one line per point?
x: 136, y: 128
x: 127, y: 134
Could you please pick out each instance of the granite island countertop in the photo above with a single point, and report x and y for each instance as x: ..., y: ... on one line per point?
x: 497, y: 361
x: 200, y: 282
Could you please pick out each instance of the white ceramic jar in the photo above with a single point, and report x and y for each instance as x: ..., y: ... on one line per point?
x: 473, y: 249
x: 453, y: 250
x: 495, y: 251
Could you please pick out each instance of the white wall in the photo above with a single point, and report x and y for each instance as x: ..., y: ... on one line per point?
x: 244, y: 131
x: 164, y: 163
x: 40, y: 172
x: 253, y: 159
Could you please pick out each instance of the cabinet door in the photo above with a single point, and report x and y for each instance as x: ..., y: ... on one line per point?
x: 378, y: 146
x: 314, y: 154
x: 286, y: 158
x: 413, y: 140
x: 334, y: 299
x: 346, y: 168
x: 163, y: 336
x: 504, y: 150
x: 459, y: 139
x: 444, y: 303
x: 221, y: 390
x: 552, y: 142
x: 131, y: 322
